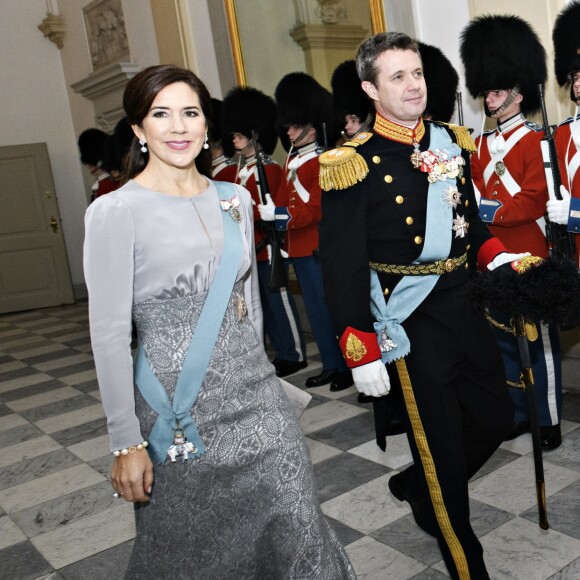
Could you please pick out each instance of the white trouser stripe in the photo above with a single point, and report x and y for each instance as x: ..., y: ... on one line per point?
x: 292, y: 322
x: 551, y: 375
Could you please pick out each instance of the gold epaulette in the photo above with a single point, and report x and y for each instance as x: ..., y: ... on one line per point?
x: 463, y: 137
x: 343, y: 167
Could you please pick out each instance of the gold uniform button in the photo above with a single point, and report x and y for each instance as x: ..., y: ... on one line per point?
x: 389, y: 178
x: 386, y: 292
x: 463, y: 181
x: 409, y: 220
x: 496, y: 182
x: 494, y: 193
x: 418, y: 240
x: 399, y: 199
x: 376, y: 159
x: 466, y: 203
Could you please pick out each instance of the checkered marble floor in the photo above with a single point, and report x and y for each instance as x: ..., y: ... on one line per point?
x: 58, y: 518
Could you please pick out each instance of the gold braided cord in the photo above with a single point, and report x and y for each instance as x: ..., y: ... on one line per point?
x: 519, y: 385
x: 341, y: 168
x: 527, y: 262
x: 530, y: 328
x: 439, y: 267
x: 464, y: 139
x: 397, y: 132
x: 437, y: 500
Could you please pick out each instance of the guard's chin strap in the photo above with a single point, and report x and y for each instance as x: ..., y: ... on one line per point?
x: 509, y: 100
x: 487, y: 113
x: 303, y: 134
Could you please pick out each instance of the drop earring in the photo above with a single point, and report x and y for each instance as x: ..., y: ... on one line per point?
x: 143, y: 145
x: 205, y: 143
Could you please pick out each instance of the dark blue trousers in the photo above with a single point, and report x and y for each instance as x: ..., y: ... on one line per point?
x: 309, y: 277
x: 281, y: 323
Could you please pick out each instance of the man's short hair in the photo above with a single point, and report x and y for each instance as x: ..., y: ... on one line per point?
x: 372, y: 48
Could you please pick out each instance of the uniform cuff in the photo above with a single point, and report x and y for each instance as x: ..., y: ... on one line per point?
x: 358, y: 347
x: 488, y: 251
x: 574, y: 217
x: 282, y: 218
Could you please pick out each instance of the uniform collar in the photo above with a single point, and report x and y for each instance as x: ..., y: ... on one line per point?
x: 511, y: 123
x: 400, y: 133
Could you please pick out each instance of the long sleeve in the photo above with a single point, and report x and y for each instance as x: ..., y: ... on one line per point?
x: 109, y: 274
x: 251, y: 284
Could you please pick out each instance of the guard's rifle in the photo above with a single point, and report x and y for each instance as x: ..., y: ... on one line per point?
x: 560, y: 242
x: 272, y: 236
x: 325, y: 137
x: 459, y: 109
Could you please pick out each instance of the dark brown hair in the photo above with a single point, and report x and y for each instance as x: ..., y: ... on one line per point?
x: 138, y: 97
x: 373, y: 47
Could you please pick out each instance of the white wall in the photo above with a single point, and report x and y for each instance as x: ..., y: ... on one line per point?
x: 36, y: 109
x: 440, y: 24
x: 39, y: 106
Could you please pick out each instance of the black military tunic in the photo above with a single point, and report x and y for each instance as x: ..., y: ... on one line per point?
x: 455, y: 386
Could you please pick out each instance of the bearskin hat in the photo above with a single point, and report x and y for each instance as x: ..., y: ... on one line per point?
x: 302, y: 100
x: 566, y: 38
x: 246, y: 109
x: 124, y: 137
x: 92, y: 146
x: 215, y: 129
x: 442, y: 81
x: 502, y: 52
x: 349, y: 98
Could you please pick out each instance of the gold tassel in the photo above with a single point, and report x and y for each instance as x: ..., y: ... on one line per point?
x: 463, y: 137
x: 341, y: 168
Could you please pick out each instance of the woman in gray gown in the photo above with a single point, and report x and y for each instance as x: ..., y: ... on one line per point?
x: 206, y: 444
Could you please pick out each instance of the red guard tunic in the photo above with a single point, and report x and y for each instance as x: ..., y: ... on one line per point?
x: 297, y: 201
x: 104, y: 184
x: 223, y: 169
x: 247, y: 177
x: 569, y: 162
x: 508, y: 173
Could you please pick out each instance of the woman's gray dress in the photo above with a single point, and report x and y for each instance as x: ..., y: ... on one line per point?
x: 247, y: 508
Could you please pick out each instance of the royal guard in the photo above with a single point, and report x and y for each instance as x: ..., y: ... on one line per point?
x: 442, y: 81
x: 248, y: 113
x: 304, y: 117
x: 352, y: 108
x: 223, y: 168
x: 567, y: 138
x: 504, y: 64
x: 92, y: 145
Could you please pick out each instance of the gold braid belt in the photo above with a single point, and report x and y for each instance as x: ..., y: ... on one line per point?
x: 439, y: 267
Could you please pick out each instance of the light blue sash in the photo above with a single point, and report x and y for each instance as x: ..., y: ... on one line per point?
x: 412, y: 290
x: 199, y: 352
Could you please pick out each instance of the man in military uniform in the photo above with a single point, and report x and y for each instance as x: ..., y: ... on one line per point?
x: 246, y: 110
x: 567, y: 138
x: 303, y: 107
x: 352, y: 108
x: 222, y: 166
x: 400, y: 230
x: 508, y: 172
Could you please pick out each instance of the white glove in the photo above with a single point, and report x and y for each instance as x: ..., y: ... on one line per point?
x: 372, y: 379
x: 559, y: 209
x: 504, y: 258
x: 267, y: 211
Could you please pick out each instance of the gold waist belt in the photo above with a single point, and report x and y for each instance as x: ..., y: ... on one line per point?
x: 439, y: 267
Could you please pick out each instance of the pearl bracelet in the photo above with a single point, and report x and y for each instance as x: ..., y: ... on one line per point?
x: 132, y: 449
